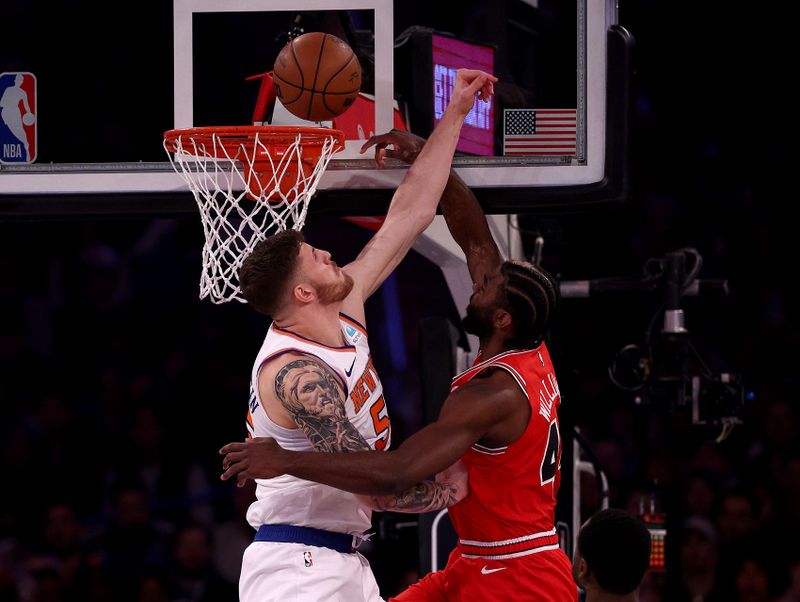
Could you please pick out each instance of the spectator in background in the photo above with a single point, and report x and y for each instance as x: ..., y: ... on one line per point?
x: 789, y: 483
x: 612, y: 556
x: 175, y: 483
x: 752, y: 580
x: 133, y: 542
x: 63, y: 542
x: 98, y: 584
x: 232, y: 534
x: 701, y: 494
x: 777, y: 442
x: 698, y: 563
x: 194, y: 578
x: 737, y: 527
x: 736, y: 519
x: 792, y: 592
x: 153, y: 588
x: 45, y: 584
x: 47, y: 564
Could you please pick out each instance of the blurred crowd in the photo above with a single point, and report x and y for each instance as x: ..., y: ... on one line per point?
x: 118, y: 385
x: 113, y: 396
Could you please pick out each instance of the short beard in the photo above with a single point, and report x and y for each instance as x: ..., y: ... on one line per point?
x: 333, y: 293
x: 477, y: 321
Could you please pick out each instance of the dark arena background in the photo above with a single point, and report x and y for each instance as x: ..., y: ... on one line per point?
x: 118, y: 385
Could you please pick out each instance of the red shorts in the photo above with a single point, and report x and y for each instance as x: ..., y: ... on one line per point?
x: 542, y: 577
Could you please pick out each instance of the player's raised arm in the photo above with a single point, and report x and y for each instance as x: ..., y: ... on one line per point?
x: 413, y: 205
x: 460, y: 208
x: 467, y: 223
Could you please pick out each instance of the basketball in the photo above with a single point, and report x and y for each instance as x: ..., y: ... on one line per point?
x: 28, y: 119
x: 317, y: 76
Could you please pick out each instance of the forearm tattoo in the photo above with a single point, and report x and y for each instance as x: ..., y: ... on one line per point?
x: 314, y: 399
x: 422, y: 497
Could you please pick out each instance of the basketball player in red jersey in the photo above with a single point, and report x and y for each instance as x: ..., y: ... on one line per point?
x: 500, y: 419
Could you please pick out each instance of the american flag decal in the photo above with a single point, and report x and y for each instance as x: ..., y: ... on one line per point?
x: 539, y: 131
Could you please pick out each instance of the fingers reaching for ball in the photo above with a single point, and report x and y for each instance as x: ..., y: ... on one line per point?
x: 395, y: 144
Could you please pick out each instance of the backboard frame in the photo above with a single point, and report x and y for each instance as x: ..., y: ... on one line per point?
x: 66, y: 190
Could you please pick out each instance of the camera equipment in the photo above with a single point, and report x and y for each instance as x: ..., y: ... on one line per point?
x: 665, y: 370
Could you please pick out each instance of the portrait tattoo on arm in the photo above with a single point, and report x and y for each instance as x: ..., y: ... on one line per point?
x: 312, y: 396
x: 309, y: 392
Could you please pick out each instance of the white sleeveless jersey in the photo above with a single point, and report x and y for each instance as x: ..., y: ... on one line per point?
x: 288, y: 500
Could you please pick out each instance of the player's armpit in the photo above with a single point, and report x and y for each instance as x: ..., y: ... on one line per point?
x: 310, y: 393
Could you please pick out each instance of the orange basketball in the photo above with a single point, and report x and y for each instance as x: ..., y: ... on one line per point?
x: 317, y: 76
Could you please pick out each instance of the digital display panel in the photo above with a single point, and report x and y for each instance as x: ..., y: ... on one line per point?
x: 449, y: 55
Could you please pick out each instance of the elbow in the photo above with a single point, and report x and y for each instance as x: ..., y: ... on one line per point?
x: 428, y: 187
x: 415, y: 220
x: 424, y: 219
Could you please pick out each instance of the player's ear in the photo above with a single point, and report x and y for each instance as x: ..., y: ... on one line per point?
x: 580, y: 572
x: 502, y: 319
x: 304, y: 293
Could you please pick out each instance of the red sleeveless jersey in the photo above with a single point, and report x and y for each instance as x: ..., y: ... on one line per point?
x: 509, y: 511
x: 508, y: 516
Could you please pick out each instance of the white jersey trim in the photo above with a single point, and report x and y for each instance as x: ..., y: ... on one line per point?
x: 490, y: 451
x: 554, y: 546
x: 496, y: 362
x: 506, y: 542
x: 484, y: 363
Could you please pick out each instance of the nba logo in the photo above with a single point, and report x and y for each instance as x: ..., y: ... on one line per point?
x: 17, y: 117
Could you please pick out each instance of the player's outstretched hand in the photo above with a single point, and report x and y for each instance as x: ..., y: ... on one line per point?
x: 256, y: 458
x: 395, y: 144
x: 470, y: 83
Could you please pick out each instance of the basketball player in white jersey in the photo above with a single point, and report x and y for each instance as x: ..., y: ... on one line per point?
x: 314, y: 387
x: 500, y: 419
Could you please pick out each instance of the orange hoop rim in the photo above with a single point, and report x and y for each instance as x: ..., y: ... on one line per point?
x: 269, y: 135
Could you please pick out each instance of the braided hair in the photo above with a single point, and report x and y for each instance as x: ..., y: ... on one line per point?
x: 532, y: 298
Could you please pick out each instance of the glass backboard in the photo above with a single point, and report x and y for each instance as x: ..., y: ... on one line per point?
x: 102, y: 96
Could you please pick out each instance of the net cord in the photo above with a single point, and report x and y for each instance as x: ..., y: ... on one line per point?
x: 238, y: 208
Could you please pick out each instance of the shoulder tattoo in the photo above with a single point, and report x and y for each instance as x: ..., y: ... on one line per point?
x: 315, y: 400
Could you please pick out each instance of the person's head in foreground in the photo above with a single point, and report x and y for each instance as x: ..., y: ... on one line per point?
x: 517, y: 302
x: 283, y: 273
x: 612, y: 556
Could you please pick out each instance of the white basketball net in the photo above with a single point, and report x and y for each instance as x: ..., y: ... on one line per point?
x: 240, y: 202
